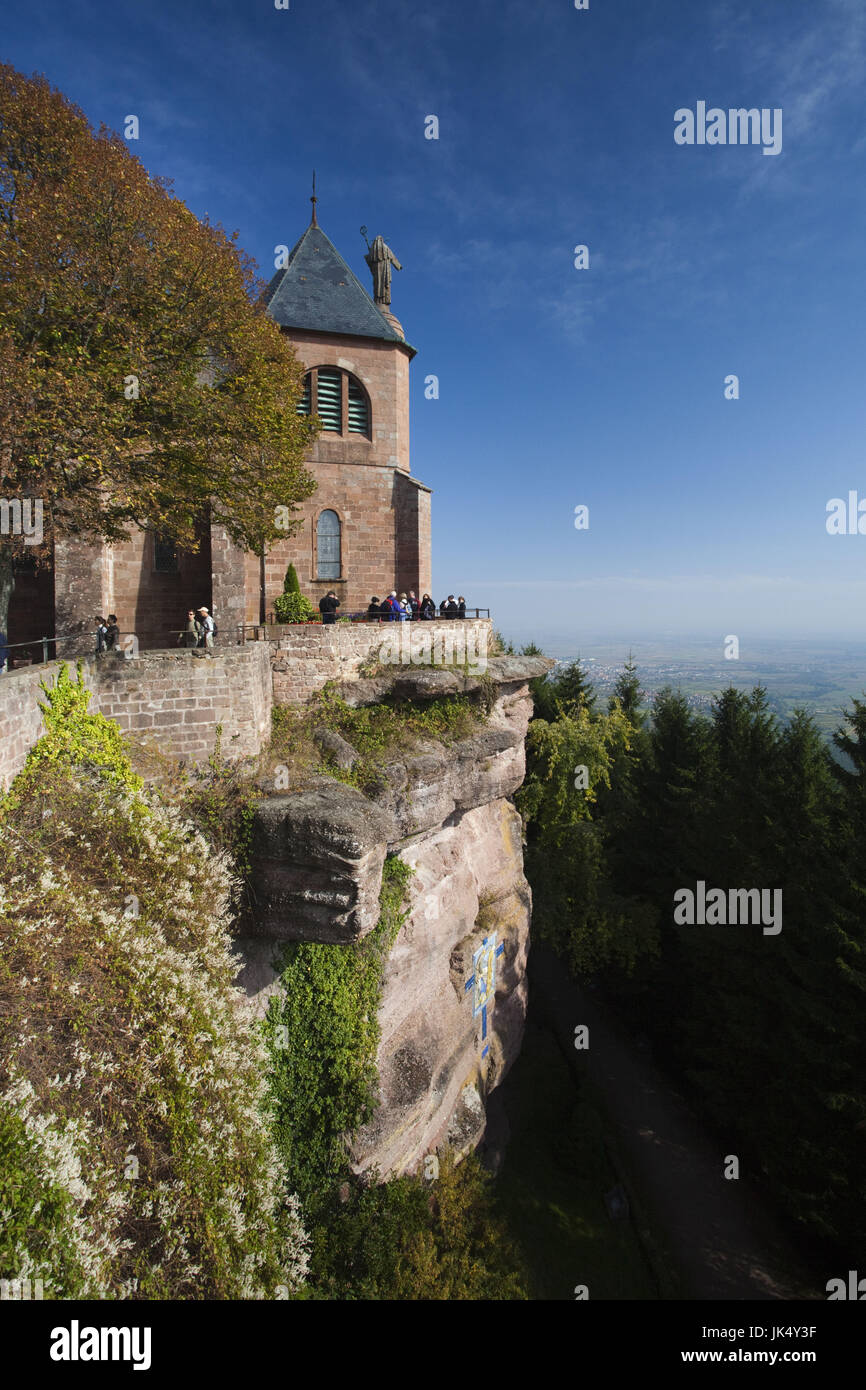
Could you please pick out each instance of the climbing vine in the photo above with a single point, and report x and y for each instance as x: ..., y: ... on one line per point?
x: 323, y: 1031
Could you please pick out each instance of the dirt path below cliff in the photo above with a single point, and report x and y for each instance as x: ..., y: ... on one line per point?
x: 720, y: 1236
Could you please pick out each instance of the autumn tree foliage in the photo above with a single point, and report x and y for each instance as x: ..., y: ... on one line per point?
x: 140, y: 377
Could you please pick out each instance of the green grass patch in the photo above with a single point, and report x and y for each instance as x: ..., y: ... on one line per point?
x: 378, y: 733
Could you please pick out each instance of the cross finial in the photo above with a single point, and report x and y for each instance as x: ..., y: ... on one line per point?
x: 314, y: 200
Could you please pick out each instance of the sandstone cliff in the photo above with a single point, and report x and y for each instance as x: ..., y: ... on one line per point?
x: 454, y: 993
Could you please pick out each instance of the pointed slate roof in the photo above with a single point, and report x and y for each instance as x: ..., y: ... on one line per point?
x: 317, y: 291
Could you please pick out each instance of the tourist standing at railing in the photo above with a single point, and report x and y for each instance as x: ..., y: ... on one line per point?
x: 374, y: 609
x: 448, y: 607
x: 208, y: 628
x: 112, y: 634
x: 393, y: 606
x: 404, y: 612
x: 461, y: 606
x: 4, y: 652
x: 428, y: 608
x: 414, y: 605
x: 328, y: 607
x: 101, y: 633
x: 192, y: 633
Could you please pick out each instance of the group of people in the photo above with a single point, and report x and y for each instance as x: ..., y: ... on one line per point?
x: 200, y: 630
x: 107, y: 633
x: 400, y: 608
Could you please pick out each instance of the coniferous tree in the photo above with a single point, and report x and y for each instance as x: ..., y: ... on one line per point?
x: 627, y: 691
x: 564, y: 691
x: 767, y: 1029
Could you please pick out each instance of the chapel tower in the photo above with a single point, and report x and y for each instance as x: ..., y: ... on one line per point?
x: 366, y: 529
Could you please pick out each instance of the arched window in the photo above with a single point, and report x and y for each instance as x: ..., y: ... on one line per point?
x: 328, y: 545
x: 339, y: 400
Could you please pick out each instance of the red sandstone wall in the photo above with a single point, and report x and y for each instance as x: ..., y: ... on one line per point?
x: 385, y: 535
x: 121, y: 579
x: 367, y: 503
x: 154, y: 605
x: 385, y: 532
x: 305, y: 658
x: 384, y: 370
x: 175, y: 698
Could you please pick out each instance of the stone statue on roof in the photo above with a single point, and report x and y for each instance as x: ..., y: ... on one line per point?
x: 380, y: 258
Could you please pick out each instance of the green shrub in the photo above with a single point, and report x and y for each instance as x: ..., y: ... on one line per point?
x: 379, y: 732
x: 73, y: 738
x: 293, y: 608
x: 221, y: 800
x: 410, y: 1240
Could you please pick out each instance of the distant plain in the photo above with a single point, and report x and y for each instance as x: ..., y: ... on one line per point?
x: 813, y: 674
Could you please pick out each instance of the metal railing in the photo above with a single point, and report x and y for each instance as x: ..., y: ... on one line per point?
x: 258, y: 631
x: 35, y: 644
x: 246, y: 632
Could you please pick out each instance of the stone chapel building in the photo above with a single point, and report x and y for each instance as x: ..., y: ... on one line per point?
x: 366, y: 529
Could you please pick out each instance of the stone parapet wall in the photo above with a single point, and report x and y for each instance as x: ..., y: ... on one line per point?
x: 20, y: 716
x: 305, y: 656
x: 175, y: 698
x: 178, y: 697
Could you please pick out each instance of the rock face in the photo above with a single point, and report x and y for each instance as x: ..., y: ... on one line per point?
x: 454, y: 991
x: 318, y: 864
x: 437, y: 1062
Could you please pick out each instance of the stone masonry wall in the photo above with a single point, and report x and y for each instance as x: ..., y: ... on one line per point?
x: 304, y: 657
x: 177, y: 698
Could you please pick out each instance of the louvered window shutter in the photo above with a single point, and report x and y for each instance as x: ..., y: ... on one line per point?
x: 329, y: 392
x: 305, y: 403
x: 359, y: 422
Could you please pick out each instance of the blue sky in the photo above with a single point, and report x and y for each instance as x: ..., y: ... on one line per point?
x: 558, y: 386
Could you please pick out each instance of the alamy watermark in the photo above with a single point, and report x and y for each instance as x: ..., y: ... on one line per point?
x: 414, y: 644
x: 20, y: 1289
x: 22, y: 517
x: 846, y: 519
x: 731, y: 908
x: 77, y: 1343
x: 736, y: 126
x: 854, y: 1288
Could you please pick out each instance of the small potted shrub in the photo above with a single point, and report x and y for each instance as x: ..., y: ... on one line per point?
x: 291, y: 606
